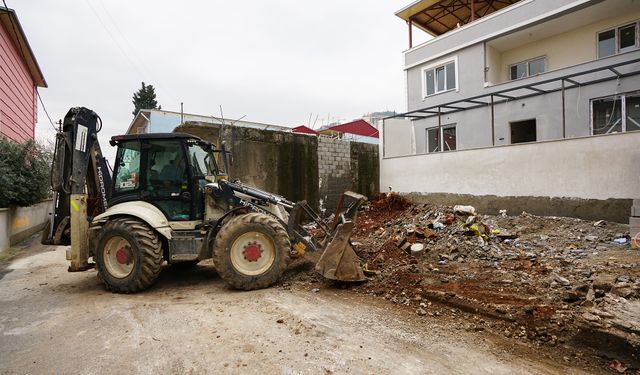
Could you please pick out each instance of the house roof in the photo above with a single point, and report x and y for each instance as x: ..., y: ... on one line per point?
x: 358, y: 127
x: 304, y: 129
x: 9, y: 20
x: 143, y: 117
x: 437, y: 17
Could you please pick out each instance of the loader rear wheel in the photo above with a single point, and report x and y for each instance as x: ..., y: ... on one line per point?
x: 128, y: 256
x: 251, y: 251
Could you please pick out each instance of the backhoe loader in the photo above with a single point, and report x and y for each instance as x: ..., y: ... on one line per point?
x: 168, y: 200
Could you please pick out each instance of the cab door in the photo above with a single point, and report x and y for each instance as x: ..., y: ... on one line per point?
x: 167, y: 179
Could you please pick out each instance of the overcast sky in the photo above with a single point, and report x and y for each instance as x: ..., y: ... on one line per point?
x: 273, y: 61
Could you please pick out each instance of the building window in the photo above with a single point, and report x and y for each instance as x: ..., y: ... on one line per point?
x: 443, y: 138
x: 523, y: 131
x: 527, y: 68
x: 616, y: 114
x: 618, y: 40
x: 440, y: 78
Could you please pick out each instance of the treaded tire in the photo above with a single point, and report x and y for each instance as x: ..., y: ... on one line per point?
x: 242, y: 225
x: 146, y: 254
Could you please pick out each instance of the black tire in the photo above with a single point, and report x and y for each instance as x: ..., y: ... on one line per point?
x: 143, y: 252
x: 247, y: 232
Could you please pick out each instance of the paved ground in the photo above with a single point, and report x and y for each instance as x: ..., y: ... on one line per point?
x: 52, y: 321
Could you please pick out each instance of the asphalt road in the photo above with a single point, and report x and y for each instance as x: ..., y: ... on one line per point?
x: 52, y: 321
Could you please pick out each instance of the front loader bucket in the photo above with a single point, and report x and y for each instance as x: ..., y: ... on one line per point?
x: 339, y: 261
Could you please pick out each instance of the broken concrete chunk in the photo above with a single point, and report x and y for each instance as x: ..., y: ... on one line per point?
x: 465, y: 210
x: 603, y: 282
x: 562, y: 281
x: 590, y: 317
x: 406, y: 247
x: 507, y: 236
x: 591, y: 238
x: 622, y: 291
x: 600, y: 223
x: 623, y: 279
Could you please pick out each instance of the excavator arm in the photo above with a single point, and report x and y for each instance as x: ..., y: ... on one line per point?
x: 81, y: 183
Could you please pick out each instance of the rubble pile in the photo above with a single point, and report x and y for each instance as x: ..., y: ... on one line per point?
x: 548, y: 276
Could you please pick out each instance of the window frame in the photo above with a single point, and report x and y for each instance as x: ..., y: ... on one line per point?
x: 440, y: 134
x: 616, y: 39
x: 544, y: 59
x: 533, y: 120
x: 119, y: 164
x: 433, y: 67
x: 623, y: 111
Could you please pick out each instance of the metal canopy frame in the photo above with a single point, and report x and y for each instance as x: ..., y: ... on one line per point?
x: 491, y: 99
x: 445, y: 15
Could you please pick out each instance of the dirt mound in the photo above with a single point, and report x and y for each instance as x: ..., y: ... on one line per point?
x: 389, y: 202
x: 545, y: 278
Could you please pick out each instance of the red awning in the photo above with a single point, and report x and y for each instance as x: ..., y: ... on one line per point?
x: 304, y: 129
x: 358, y: 127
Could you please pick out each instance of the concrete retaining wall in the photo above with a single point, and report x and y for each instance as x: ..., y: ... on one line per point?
x: 602, y: 171
x: 297, y: 166
x: 634, y: 224
x: 18, y: 223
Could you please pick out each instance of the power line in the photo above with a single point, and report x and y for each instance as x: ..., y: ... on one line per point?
x: 122, y: 50
x: 45, y: 110
x: 134, y: 59
x: 13, y: 26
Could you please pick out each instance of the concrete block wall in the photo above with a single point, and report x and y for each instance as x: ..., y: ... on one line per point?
x: 334, y: 170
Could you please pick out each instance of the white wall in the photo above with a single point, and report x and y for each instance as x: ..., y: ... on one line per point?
x: 583, y: 42
x: 401, y: 140
x: 597, y: 167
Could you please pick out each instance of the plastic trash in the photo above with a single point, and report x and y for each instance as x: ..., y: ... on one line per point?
x: 417, y: 248
x: 438, y: 225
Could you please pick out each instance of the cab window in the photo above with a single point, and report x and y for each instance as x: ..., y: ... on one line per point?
x: 128, y: 170
x: 203, y: 165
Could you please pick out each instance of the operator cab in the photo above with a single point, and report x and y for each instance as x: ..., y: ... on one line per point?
x: 168, y: 170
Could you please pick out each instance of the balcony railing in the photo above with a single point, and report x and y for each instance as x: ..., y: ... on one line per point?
x: 499, y: 94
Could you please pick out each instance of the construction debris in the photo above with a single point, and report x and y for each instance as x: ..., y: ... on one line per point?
x: 545, y: 278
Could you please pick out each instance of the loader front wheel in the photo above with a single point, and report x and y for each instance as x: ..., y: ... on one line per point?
x: 128, y: 256
x: 251, y: 251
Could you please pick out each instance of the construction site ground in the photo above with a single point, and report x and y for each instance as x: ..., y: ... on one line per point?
x: 502, y: 295
x: 561, y: 284
x: 52, y: 321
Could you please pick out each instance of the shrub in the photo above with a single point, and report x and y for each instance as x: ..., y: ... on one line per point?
x: 25, y: 170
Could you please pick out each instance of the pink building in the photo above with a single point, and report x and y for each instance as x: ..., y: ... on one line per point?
x: 20, y: 76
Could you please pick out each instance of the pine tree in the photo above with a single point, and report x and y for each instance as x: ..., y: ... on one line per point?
x: 145, y: 98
